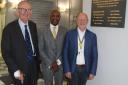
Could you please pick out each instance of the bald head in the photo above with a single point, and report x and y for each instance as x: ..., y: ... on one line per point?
x: 82, y: 20
x: 22, y: 3
x: 55, y: 17
x: 24, y: 11
x: 82, y: 15
x: 55, y: 11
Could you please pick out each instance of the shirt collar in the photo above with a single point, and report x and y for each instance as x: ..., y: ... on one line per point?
x: 80, y: 32
x: 52, y: 26
x: 22, y: 23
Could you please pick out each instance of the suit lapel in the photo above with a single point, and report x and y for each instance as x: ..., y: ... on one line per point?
x: 86, y: 43
x: 75, y: 41
x: 19, y: 32
x: 49, y: 37
x: 59, y: 34
x: 49, y: 34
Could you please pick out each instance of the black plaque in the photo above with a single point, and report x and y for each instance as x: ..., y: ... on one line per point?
x: 108, y: 13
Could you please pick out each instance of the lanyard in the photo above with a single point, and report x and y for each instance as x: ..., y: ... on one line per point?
x: 81, y: 41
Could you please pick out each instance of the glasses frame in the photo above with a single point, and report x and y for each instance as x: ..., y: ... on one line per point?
x: 24, y: 10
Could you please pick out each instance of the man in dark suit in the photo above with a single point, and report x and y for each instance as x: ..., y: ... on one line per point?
x: 19, y: 47
x: 50, y: 46
x: 80, y: 53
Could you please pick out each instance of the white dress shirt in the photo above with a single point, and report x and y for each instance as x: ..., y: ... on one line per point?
x: 23, y: 32
x: 80, y: 56
x: 52, y: 28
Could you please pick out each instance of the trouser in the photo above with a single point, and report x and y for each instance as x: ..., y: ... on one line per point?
x: 30, y: 77
x: 79, y: 77
x: 49, y: 77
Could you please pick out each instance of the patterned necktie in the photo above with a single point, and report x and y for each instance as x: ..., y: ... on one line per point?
x: 54, y: 32
x: 28, y: 44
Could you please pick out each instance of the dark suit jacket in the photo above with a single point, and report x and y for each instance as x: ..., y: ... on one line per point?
x: 71, y: 49
x: 14, y: 49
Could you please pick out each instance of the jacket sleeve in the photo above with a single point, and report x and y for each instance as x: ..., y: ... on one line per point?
x: 94, y: 55
x: 6, y: 50
x: 66, y: 66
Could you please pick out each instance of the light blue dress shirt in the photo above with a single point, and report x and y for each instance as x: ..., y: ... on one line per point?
x: 22, y: 27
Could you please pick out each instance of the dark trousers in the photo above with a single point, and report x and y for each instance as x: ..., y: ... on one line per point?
x: 30, y: 77
x: 79, y: 77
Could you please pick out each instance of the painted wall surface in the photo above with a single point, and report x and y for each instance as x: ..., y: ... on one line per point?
x: 113, y: 52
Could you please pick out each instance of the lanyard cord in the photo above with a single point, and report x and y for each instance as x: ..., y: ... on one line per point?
x: 81, y: 41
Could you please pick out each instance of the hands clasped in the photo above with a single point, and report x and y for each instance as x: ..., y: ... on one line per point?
x: 54, y: 67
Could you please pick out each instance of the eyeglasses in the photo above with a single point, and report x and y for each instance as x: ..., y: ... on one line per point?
x: 23, y: 10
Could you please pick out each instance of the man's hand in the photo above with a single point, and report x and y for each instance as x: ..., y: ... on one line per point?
x: 68, y: 75
x: 19, y: 75
x: 91, y: 77
x: 54, y: 67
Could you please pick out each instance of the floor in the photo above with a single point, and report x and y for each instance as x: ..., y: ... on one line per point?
x: 40, y: 82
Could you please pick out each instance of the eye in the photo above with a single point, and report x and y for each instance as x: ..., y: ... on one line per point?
x: 23, y: 10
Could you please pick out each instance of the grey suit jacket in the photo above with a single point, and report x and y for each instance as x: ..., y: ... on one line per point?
x: 50, y: 48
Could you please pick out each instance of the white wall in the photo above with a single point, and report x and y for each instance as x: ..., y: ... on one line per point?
x: 113, y: 52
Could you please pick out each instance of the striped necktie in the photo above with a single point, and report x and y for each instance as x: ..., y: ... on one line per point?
x: 28, y: 44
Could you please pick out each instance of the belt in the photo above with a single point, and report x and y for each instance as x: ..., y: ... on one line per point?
x: 81, y: 66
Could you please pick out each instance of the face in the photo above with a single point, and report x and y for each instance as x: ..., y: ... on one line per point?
x: 82, y: 21
x: 24, y: 11
x: 55, y: 17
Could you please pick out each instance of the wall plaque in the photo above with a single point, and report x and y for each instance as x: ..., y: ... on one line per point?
x: 108, y: 13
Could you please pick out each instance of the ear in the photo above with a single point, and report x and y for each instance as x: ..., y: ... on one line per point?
x: 17, y: 13
x: 31, y: 14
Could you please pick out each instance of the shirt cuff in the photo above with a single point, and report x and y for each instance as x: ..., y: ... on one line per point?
x: 58, y: 62
x: 17, y: 74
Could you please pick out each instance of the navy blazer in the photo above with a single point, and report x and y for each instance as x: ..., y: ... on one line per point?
x: 70, y: 51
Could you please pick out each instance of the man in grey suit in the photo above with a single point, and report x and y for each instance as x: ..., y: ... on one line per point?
x: 50, y: 46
